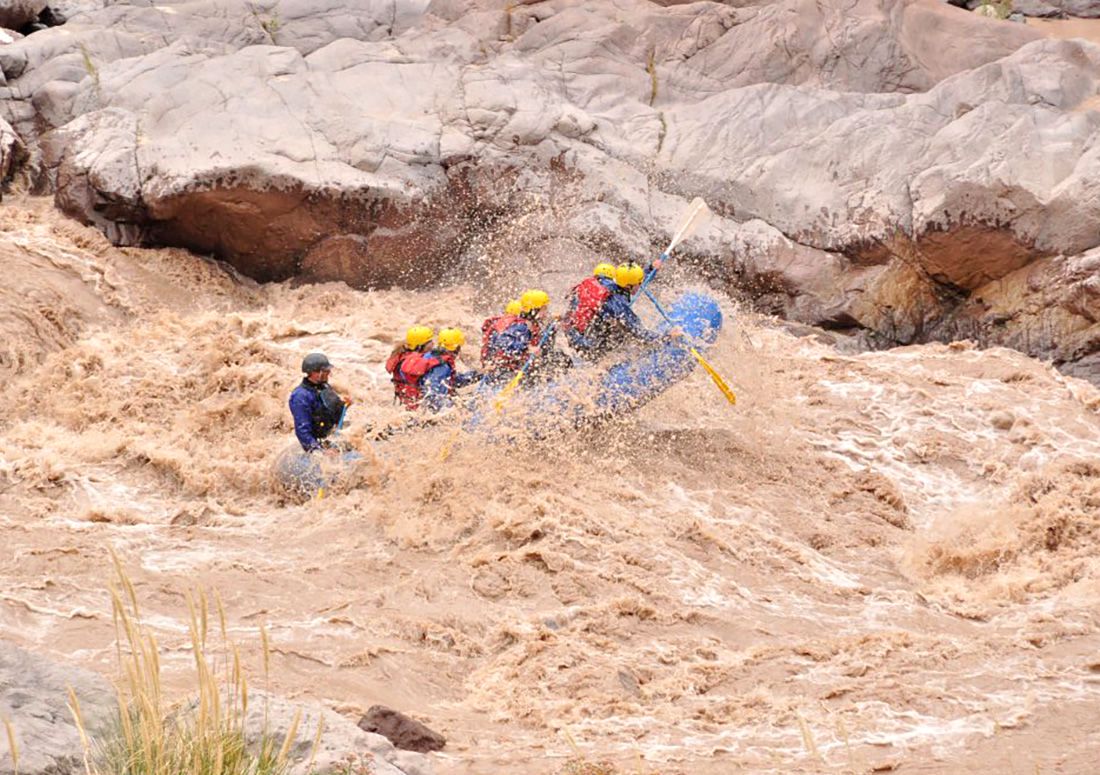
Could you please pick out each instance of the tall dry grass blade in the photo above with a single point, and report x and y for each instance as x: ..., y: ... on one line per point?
x: 842, y: 728
x: 193, y: 629
x: 221, y: 615
x: 127, y: 585
x: 113, y: 592
x: 316, y: 742
x: 13, y: 746
x: 78, y: 719
x: 219, y: 756
x: 244, y: 698
x: 154, y: 667
x: 204, y: 615
x: 267, y: 652
x: 807, y: 737
x: 116, y: 612
x: 288, y: 741
x: 572, y: 743
x: 204, y: 737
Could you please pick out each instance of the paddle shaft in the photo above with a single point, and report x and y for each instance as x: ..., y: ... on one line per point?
x: 695, y: 214
x: 506, y: 393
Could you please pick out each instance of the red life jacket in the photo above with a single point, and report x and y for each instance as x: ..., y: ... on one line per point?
x: 585, y: 302
x: 407, y: 369
x: 496, y: 359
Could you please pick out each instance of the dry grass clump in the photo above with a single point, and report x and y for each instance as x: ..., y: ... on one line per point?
x: 203, y: 736
x: 580, y: 766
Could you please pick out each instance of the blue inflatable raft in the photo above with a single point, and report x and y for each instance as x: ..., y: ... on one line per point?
x: 580, y: 394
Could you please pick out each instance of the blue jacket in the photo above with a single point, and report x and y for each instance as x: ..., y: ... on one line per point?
x: 439, y: 384
x: 316, y: 410
x: 514, y: 340
x: 614, y: 322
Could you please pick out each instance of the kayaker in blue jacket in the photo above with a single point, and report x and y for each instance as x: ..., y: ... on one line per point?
x: 315, y: 406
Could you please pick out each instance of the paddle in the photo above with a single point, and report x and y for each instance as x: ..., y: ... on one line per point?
x: 506, y: 393
x: 697, y: 213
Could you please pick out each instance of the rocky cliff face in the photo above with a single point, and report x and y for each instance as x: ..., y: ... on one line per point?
x: 897, y: 169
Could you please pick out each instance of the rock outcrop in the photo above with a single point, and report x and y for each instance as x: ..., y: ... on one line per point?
x: 875, y: 164
x: 1086, y: 9
x: 11, y: 152
x: 404, y: 732
x: 341, y: 747
x: 19, y: 13
x: 34, y: 697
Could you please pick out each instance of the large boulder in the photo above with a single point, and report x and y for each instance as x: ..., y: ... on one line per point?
x: 874, y: 163
x: 34, y: 696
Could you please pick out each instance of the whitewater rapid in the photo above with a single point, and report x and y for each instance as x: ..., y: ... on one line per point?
x: 873, y: 560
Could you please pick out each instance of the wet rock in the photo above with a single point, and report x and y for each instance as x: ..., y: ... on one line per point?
x: 1087, y: 9
x: 63, y: 10
x: 404, y: 732
x: 343, y: 746
x: 34, y: 695
x: 1049, y: 308
x: 11, y: 150
x: 15, y: 14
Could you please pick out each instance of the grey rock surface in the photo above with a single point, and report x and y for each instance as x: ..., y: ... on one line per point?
x: 34, y: 696
x: 1085, y: 9
x: 874, y: 163
x: 341, y: 742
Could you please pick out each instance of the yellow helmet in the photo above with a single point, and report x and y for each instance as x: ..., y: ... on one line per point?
x: 513, y: 307
x: 604, y: 269
x: 451, y: 339
x: 629, y: 275
x: 534, y: 299
x: 418, y: 335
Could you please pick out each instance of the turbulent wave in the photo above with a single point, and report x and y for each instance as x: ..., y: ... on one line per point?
x: 874, y: 560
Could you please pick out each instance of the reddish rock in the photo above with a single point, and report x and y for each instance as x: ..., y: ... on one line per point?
x: 402, y: 731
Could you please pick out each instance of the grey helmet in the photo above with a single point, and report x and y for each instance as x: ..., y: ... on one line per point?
x: 315, y: 362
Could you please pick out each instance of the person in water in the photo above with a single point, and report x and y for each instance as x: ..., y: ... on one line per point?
x: 317, y: 409
x: 442, y: 378
x: 501, y: 353
x: 407, y: 365
x: 509, y: 340
x: 428, y: 376
x: 599, y: 317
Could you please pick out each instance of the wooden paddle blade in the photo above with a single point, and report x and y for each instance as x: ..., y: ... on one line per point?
x: 506, y: 393
x: 697, y: 213
x: 715, y: 377
x: 448, y: 445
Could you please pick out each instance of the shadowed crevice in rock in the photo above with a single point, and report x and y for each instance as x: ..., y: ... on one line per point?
x: 910, y: 292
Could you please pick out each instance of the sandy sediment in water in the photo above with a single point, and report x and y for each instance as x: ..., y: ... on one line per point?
x: 875, y: 560
x: 1089, y: 29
